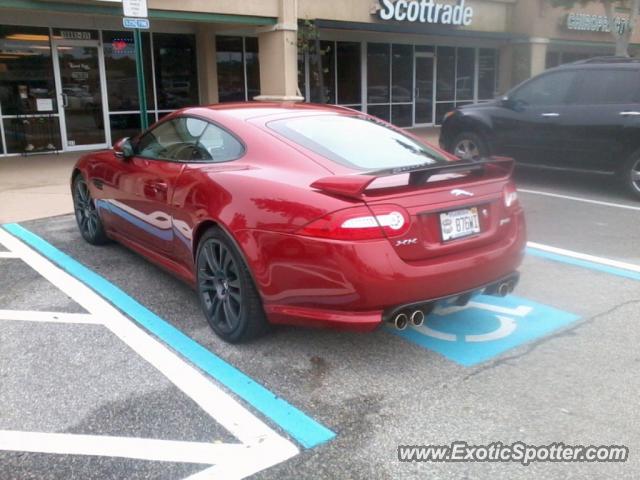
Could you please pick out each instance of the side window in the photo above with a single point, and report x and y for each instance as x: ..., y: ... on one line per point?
x: 173, y: 140
x: 608, y: 87
x: 549, y: 89
x: 217, y: 145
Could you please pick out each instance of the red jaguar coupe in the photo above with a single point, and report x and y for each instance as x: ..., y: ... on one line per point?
x: 304, y: 214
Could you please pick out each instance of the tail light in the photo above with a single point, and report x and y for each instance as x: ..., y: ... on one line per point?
x: 510, y: 195
x: 360, y: 223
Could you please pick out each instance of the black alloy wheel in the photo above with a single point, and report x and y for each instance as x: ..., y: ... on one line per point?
x: 87, y: 216
x: 227, y: 294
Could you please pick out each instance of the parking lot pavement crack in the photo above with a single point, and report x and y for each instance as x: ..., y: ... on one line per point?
x: 535, y: 344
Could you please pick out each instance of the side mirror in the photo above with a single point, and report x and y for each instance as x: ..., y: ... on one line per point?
x: 124, y: 148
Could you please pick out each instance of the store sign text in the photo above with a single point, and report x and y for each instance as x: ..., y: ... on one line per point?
x: 595, y: 23
x: 426, y: 11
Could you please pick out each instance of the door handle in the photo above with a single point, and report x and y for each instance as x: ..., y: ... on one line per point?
x: 65, y: 100
x: 550, y: 115
x: 630, y: 114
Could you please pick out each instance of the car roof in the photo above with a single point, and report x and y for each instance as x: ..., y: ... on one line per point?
x: 249, y: 110
x: 599, y: 62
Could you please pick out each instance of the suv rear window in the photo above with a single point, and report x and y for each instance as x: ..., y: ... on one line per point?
x: 356, y: 142
x: 607, y: 86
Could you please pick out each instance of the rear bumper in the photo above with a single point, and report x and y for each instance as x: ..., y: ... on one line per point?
x: 347, y: 285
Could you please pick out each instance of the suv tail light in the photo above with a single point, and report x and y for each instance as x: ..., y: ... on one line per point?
x: 360, y: 223
x: 510, y: 195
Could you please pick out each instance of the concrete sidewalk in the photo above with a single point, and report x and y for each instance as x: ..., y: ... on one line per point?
x: 37, y: 186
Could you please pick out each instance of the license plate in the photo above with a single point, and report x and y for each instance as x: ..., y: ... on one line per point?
x: 459, y: 223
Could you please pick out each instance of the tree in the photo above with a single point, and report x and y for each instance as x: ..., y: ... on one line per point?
x: 622, y: 35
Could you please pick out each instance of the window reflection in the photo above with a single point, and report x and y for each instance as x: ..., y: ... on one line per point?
x: 175, y: 69
x: 238, y: 68
x: 322, y: 73
x: 378, y: 73
x: 230, y: 70
x: 120, y: 66
x: 402, y: 73
x: 349, y: 91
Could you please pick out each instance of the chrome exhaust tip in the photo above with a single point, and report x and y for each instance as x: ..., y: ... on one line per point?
x: 417, y: 318
x: 401, y: 321
x: 504, y: 289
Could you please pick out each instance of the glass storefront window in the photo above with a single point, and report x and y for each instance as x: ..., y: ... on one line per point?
x: 237, y: 59
x: 349, y: 81
x: 32, y: 133
x: 401, y: 73
x: 230, y: 69
x: 381, y: 111
x: 465, y: 73
x: 446, y: 72
x: 176, y: 70
x: 402, y: 115
x: 26, y: 69
x: 322, y: 65
x: 378, y: 73
x: 120, y: 67
x: 487, y: 73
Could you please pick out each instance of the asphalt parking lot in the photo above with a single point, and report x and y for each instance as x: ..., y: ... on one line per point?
x: 131, y: 383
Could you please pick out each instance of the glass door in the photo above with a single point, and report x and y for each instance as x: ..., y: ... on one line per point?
x: 80, y: 86
x: 424, y: 85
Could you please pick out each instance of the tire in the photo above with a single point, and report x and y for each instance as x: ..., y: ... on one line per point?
x: 631, y: 175
x: 469, y: 146
x: 228, y: 297
x: 87, y: 216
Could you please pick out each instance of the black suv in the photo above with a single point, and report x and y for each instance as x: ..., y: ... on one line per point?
x: 581, y: 116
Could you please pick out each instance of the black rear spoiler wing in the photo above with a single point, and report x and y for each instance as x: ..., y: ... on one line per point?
x: 356, y: 184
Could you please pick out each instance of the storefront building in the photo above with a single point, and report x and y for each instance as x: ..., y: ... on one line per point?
x: 68, y: 75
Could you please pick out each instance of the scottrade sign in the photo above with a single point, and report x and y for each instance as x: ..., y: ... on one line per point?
x: 426, y: 11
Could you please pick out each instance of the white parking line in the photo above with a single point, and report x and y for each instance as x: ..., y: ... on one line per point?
x: 8, y: 255
x: 580, y: 199
x: 127, y: 447
x: 55, y: 317
x: 584, y: 256
x: 261, y: 446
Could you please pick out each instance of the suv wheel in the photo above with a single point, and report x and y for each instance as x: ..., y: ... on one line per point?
x: 631, y: 175
x: 470, y: 146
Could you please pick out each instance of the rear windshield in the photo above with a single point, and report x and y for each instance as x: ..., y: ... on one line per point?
x: 356, y: 142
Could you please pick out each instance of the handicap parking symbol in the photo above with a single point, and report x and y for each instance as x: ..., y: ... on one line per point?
x: 486, y: 327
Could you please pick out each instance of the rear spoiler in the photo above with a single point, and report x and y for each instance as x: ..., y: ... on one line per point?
x: 355, y: 185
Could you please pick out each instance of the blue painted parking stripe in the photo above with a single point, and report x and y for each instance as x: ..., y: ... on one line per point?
x: 578, y: 262
x: 307, y: 431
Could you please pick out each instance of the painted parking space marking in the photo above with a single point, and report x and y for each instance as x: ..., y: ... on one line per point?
x: 580, y: 199
x: 258, y: 447
x: 308, y: 432
x: 592, y: 262
x: 485, y: 328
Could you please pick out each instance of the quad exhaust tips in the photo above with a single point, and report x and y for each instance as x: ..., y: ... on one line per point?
x: 505, y: 288
x: 417, y: 318
x: 402, y: 319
